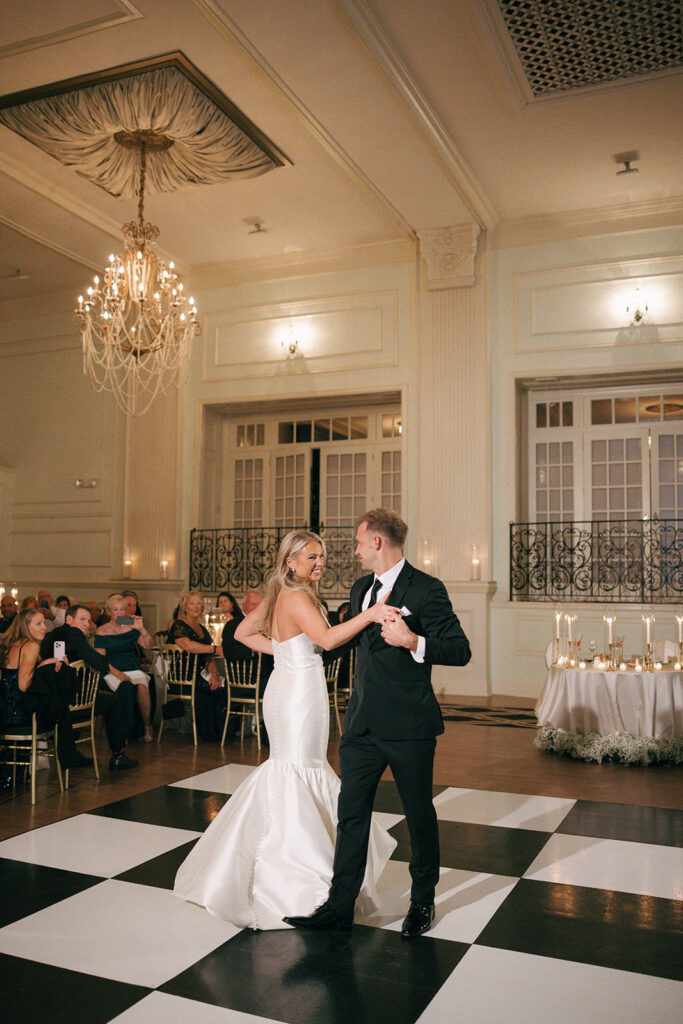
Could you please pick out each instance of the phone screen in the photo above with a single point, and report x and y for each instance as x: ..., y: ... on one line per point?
x: 124, y: 620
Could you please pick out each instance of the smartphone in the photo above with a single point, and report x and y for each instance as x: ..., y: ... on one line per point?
x: 44, y: 604
x: 124, y: 620
x: 60, y: 650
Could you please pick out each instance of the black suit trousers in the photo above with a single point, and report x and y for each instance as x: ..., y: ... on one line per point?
x: 363, y: 759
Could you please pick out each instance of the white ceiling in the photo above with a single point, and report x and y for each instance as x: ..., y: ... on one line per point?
x: 397, y: 115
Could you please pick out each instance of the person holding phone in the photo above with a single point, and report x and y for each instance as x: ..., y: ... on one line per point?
x: 116, y: 639
x: 30, y: 683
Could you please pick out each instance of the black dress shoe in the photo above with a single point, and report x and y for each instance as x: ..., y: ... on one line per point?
x: 120, y: 762
x: 323, y: 919
x: 418, y: 920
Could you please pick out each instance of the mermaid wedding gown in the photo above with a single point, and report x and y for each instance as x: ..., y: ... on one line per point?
x: 269, y: 852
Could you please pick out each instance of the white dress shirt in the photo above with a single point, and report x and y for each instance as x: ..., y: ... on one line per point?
x: 387, y: 580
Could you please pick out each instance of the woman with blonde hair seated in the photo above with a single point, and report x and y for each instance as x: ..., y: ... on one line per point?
x: 117, y: 640
x: 29, y: 683
x: 188, y: 632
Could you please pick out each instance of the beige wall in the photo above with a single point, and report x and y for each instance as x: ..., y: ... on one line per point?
x: 559, y: 309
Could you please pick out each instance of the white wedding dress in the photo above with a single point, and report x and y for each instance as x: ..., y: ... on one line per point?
x: 269, y: 852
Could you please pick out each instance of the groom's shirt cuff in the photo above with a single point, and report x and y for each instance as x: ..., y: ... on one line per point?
x: 419, y: 654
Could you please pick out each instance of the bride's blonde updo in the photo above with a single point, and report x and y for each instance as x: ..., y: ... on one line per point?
x: 283, y: 578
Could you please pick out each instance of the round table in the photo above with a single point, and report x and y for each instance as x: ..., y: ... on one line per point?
x: 626, y: 715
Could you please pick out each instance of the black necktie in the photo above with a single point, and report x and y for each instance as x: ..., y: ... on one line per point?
x: 376, y: 587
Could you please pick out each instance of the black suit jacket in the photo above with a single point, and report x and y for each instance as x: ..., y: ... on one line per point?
x: 76, y: 647
x: 393, y: 696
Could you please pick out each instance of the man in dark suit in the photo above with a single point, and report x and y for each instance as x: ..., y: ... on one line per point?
x: 392, y: 720
x: 111, y: 705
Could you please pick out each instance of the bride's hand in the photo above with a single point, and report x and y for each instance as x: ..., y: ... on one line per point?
x: 382, y: 612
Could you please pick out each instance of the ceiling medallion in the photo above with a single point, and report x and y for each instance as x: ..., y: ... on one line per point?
x: 136, y: 324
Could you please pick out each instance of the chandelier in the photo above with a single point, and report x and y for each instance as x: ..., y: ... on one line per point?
x: 136, y: 324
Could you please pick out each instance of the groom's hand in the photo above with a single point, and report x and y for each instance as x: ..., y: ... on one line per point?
x: 397, y: 634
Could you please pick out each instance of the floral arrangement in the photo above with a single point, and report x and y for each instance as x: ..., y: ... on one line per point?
x: 620, y: 747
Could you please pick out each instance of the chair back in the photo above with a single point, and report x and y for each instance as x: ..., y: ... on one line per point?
x: 332, y: 672
x: 244, y: 673
x: 179, y: 669
x: 88, y: 682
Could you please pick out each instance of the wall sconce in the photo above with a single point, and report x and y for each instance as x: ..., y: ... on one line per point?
x: 163, y: 565
x: 475, y: 566
x: 127, y: 564
x: 15, y: 592
x: 89, y: 481
x: 290, y: 345
x: 639, y: 308
x: 2, y: 591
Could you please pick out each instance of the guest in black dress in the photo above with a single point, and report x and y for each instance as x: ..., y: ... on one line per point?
x: 30, y: 684
x: 189, y: 633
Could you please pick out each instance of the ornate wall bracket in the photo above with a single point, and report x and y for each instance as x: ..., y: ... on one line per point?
x: 449, y: 255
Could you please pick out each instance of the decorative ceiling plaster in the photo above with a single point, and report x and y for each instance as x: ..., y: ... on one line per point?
x: 207, y: 140
x: 54, y: 25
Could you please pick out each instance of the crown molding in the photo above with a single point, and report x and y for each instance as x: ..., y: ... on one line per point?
x: 215, y: 14
x: 128, y: 12
x: 382, y: 49
x: 605, y: 220
x: 41, y: 186
x: 302, y: 264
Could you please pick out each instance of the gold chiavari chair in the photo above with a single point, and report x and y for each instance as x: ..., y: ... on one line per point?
x: 243, y: 684
x: 343, y: 688
x: 20, y: 745
x: 83, y: 711
x: 179, y: 671
x: 332, y: 669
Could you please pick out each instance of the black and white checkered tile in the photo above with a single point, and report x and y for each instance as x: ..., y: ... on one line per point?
x: 547, y: 908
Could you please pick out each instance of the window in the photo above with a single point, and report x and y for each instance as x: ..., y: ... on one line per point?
x: 605, y: 454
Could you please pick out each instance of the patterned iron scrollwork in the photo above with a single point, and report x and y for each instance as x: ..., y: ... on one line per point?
x: 620, y: 561
x: 239, y: 560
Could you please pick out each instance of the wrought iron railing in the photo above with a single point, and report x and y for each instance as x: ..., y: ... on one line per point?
x: 240, y: 559
x: 631, y: 560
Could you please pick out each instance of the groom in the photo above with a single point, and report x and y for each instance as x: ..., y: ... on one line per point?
x: 392, y: 720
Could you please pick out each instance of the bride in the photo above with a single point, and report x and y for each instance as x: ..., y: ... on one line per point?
x: 270, y: 850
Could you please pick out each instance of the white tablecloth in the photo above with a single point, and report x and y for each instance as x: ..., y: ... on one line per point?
x: 590, y: 701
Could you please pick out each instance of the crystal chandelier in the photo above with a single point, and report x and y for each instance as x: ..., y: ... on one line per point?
x: 136, y: 324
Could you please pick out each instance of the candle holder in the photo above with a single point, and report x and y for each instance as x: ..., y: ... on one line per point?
x: 680, y: 652
x: 570, y: 660
x: 611, y: 666
x: 648, y: 658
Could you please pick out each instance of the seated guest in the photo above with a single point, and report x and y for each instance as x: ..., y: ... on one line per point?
x: 233, y: 650
x: 28, y: 602
x: 95, y: 609
x: 8, y: 611
x: 131, y: 601
x: 30, y: 684
x: 133, y: 609
x: 63, y: 602
x: 228, y: 606
x: 188, y: 633
x: 116, y: 708
x: 117, y: 641
x: 54, y: 616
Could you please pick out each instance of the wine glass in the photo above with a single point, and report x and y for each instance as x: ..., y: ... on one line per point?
x: 592, y: 647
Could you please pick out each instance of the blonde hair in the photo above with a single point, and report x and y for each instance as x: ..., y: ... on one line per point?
x: 19, y: 630
x: 183, y: 602
x: 110, y: 602
x: 282, y: 577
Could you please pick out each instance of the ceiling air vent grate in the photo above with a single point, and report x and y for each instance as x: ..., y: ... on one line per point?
x: 569, y: 44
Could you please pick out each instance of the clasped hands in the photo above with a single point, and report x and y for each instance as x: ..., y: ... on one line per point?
x: 394, y: 630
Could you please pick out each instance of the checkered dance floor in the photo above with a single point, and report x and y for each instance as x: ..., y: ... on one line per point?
x: 547, y: 909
